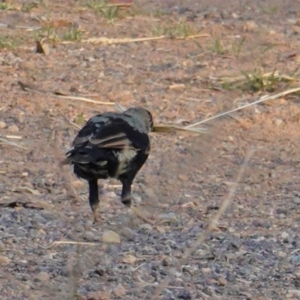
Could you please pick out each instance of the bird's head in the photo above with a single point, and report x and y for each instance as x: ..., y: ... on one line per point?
x: 144, y: 116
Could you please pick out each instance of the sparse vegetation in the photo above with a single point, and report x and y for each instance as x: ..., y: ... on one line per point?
x: 80, y: 119
x: 107, y: 11
x: 237, y: 46
x: 6, y: 6
x: 217, y: 47
x: 27, y: 7
x: 55, y: 35
x: 72, y: 34
x: 6, y: 42
x: 255, y: 81
x: 179, y: 29
x: 48, y: 32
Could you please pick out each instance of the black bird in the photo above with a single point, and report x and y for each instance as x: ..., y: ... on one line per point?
x: 111, y: 145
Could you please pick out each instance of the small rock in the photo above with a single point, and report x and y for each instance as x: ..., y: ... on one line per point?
x: 110, y: 194
x: 296, y: 29
x: 146, y: 227
x: 2, y: 124
x: 297, y: 200
x: 278, y: 122
x: 119, y: 291
x: 191, y: 269
x: 183, y: 177
x: 99, y: 296
x: 42, y: 231
x: 4, y: 260
x: 184, y: 294
x: 282, y: 254
x: 127, y: 232
x: 167, y: 261
x: 293, y: 293
x: 42, y: 47
x: 110, y: 236
x: 295, y: 260
x: 90, y: 236
x: 42, y: 276
x: 285, y: 235
x: 206, y: 270
x: 222, y: 281
x: 129, y: 259
x: 249, y: 26
x: 13, y: 128
x: 168, y: 218
x: 179, y: 86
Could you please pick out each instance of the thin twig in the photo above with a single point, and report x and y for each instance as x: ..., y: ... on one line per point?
x: 262, y: 99
x: 67, y: 243
x: 165, y: 128
x: 84, y: 99
x: 7, y: 142
x: 109, y: 41
x: 212, y: 224
x: 27, y: 87
x: 15, y: 137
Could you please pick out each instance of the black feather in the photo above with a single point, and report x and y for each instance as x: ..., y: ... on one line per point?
x: 112, y: 145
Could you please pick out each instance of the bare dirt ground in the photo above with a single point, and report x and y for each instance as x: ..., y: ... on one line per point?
x: 247, y: 49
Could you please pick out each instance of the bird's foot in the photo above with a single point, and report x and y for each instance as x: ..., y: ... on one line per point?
x: 126, y: 201
x: 95, y: 217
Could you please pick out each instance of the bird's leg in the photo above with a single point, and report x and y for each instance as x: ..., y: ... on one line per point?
x: 126, y: 200
x: 94, y: 198
x: 126, y: 192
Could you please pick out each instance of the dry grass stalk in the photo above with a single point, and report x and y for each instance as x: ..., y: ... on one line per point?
x: 165, y: 128
x: 262, y: 99
x: 83, y: 99
x: 7, y: 142
x: 109, y: 41
x: 173, y: 128
x: 211, y: 226
x: 14, y: 137
x: 31, y: 88
x: 56, y: 243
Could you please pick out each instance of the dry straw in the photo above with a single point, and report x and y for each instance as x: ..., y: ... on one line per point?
x: 262, y: 99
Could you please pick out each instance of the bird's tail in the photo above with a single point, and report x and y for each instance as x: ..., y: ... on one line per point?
x: 83, y: 156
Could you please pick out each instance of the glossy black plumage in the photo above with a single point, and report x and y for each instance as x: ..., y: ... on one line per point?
x: 111, y: 145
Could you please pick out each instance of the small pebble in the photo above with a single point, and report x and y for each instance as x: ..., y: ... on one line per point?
x: 222, y: 281
x: 129, y: 259
x: 42, y: 276
x: 110, y: 236
x: 184, y: 294
x: 2, y: 124
x: 13, y: 128
x: 119, y: 291
x: 278, y: 122
x: 285, y: 235
x: 90, y: 236
x: 4, y: 260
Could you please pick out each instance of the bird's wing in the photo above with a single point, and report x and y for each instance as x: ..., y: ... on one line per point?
x: 109, y: 133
